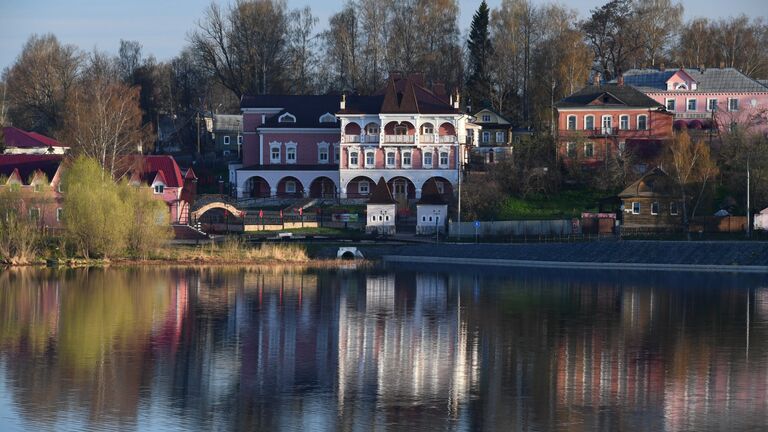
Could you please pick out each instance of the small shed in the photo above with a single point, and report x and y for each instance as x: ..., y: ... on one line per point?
x: 652, y: 203
x: 761, y: 220
x: 381, y: 210
x: 431, y: 210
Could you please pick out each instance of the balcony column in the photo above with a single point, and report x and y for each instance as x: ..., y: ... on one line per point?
x: 273, y: 192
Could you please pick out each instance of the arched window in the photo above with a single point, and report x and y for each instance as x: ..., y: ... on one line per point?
x: 589, y: 122
x: 287, y: 118
x: 624, y: 122
x: 571, y: 122
x: 327, y: 118
x: 401, y: 130
x: 681, y: 86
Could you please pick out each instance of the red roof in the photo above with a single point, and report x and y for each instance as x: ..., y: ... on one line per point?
x: 18, y: 138
x: 26, y: 165
x: 147, y: 168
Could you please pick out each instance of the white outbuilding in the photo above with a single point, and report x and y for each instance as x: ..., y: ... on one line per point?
x: 431, y: 210
x: 381, y: 210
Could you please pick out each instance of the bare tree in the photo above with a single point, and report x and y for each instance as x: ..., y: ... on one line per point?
x: 342, y: 47
x: 302, y: 58
x: 692, y: 166
x: 656, y: 22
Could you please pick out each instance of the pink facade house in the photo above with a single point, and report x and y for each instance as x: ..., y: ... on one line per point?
x: 290, y: 147
x: 407, y: 134
x: 37, y: 178
x: 705, y: 98
x: 162, y: 174
x: 18, y: 141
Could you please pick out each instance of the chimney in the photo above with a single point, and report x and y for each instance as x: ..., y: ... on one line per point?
x: 596, y: 80
x: 620, y: 78
x: 722, y: 65
x: 661, y: 67
x: 456, y: 101
x: 701, y: 68
x: 343, y: 104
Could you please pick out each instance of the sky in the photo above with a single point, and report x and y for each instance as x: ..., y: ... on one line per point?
x: 161, y: 26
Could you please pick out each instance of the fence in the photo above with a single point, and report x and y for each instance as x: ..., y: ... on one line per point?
x: 520, y: 228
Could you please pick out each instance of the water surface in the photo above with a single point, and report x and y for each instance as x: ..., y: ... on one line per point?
x: 381, y: 349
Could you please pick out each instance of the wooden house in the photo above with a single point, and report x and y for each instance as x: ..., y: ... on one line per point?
x: 652, y: 203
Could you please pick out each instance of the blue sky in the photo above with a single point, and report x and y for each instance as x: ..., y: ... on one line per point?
x: 162, y: 25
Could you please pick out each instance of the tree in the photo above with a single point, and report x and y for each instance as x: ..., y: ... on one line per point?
x: 692, y: 167
x: 480, y: 51
x: 657, y: 22
x: 129, y: 58
x: 40, y: 84
x: 342, y: 49
x: 19, y: 234
x: 302, y: 60
x: 612, y: 36
x: 149, y: 225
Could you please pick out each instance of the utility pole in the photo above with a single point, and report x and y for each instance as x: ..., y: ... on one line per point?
x: 749, y: 222
x: 458, y: 216
x: 197, y: 120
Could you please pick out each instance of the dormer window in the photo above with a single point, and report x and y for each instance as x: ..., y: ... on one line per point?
x: 159, y: 188
x: 327, y: 118
x: 486, y: 118
x: 287, y: 118
x: 681, y: 86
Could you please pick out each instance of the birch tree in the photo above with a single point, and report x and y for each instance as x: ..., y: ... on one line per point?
x: 692, y: 166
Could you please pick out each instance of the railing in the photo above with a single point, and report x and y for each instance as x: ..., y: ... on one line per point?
x: 399, y: 139
x: 442, y: 139
x: 351, y: 138
x: 600, y: 131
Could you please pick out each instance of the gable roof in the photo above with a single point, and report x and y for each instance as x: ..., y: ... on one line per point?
x: 430, y: 195
x: 17, y: 138
x: 306, y: 108
x: 227, y: 122
x: 26, y: 165
x: 496, y: 113
x: 400, y: 95
x: 381, y: 194
x: 147, y: 169
x: 708, y: 80
x: 615, y: 94
x: 655, y: 183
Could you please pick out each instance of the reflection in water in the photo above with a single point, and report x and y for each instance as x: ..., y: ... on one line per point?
x: 190, y: 349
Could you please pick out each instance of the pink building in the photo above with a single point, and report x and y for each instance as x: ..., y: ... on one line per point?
x: 407, y: 134
x: 162, y: 174
x: 37, y: 179
x: 290, y: 147
x: 18, y: 141
x: 705, y: 98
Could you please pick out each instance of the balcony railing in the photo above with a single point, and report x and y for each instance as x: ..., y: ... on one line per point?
x: 368, y: 139
x: 604, y: 131
x: 399, y: 139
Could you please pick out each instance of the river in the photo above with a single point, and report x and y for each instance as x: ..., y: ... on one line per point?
x: 406, y: 348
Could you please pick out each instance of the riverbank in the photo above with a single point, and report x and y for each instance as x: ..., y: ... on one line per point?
x: 637, y: 255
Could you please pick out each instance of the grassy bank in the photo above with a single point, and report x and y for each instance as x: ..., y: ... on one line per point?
x: 564, y: 205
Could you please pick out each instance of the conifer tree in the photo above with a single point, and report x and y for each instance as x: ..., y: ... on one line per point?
x: 480, y: 50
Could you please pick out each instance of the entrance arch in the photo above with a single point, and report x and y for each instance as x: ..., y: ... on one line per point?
x: 257, y: 187
x: 290, y: 187
x: 360, y: 187
x: 322, y: 187
x: 444, y: 186
x: 402, y: 189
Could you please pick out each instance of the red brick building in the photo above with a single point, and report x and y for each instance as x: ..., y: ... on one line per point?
x: 603, y: 120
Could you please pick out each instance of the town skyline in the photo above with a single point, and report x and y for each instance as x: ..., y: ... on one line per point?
x: 163, y: 32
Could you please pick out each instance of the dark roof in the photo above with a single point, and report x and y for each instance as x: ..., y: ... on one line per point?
x: 655, y: 183
x: 708, y: 80
x: 381, y: 194
x: 306, y: 108
x: 430, y: 195
x: 283, y: 167
x: 227, y: 122
x: 28, y: 164
x: 18, y: 138
x: 608, y: 95
x: 400, y: 95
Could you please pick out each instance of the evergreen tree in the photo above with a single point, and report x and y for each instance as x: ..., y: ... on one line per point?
x: 480, y: 50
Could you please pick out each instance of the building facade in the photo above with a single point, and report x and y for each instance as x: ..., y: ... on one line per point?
x: 652, y: 203
x: 495, y: 137
x: 163, y: 176
x: 602, y: 120
x: 407, y: 134
x: 18, y: 141
x: 227, y: 137
x: 36, y: 179
x: 705, y: 98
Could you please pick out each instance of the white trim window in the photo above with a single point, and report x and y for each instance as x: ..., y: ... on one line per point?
x: 690, y: 104
x: 443, y: 159
x: 428, y: 129
x: 240, y: 140
x: 370, y: 158
x: 642, y: 122
x: 500, y: 138
x: 681, y: 86
x: 322, y: 152
x: 486, y: 118
x: 290, y: 153
x: 287, y: 118
x: 572, y: 123
x: 406, y: 159
x: 486, y: 137
x: 624, y: 122
x: 34, y: 213
x: 327, y: 118
x: 673, y: 208
x: 711, y: 104
x: 354, y: 158
x: 336, y: 153
x: 390, y: 162
x: 607, y: 124
x: 589, y: 150
x: 158, y: 189
x: 733, y: 104
x: 372, y: 129
x: 59, y: 214
x: 274, y: 152
x: 290, y: 186
x: 427, y: 159
x: 363, y: 187
x: 635, y: 208
x: 226, y: 139
x: 589, y: 122
x: 570, y: 149
x: 670, y: 104
x: 655, y: 208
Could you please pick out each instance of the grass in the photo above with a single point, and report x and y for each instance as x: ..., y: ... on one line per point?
x: 566, y: 204
x: 234, y: 249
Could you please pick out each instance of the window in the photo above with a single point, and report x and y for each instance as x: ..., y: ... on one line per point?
x: 364, y: 188
x: 673, y: 208
x: 274, y: 152
x: 327, y: 118
x: 500, y: 137
x: 37, y: 187
x: 428, y: 129
x: 440, y: 187
x: 570, y: 149
x: 733, y: 104
x: 322, y: 154
x: 711, y: 105
x: 572, y: 122
x: 372, y: 129
x: 59, y: 214
x: 624, y: 122
x: 607, y: 124
x: 226, y: 139
x: 486, y: 137
x: 406, y: 159
x: 159, y: 189
x: 287, y: 118
x: 486, y: 118
x: 290, y: 155
x: 225, y: 153
x: 370, y: 159
x: 655, y: 208
x: 691, y: 105
x: 290, y: 186
x: 444, y: 159
x: 34, y: 214
x: 635, y: 208
x: 428, y: 159
x: 589, y: 150
x: 681, y: 86
x: 589, y: 122
x: 401, y: 130
x: 670, y: 104
x: 240, y: 140
x: 336, y: 153
x: 622, y: 146
x: 390, y: 159
x: 353, y: 158
x: 642, y: 122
